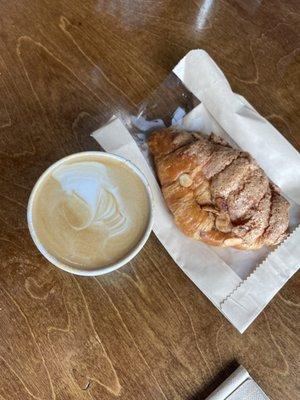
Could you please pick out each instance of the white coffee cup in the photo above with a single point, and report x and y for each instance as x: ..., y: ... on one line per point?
x: 103, y: 269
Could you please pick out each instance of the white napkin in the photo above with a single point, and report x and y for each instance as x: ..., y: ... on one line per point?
x: 239, y: 386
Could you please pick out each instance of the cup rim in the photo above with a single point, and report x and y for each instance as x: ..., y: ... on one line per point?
x: 100, y: 270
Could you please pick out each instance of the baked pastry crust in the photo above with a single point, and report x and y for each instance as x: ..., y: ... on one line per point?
x: 217, y: 194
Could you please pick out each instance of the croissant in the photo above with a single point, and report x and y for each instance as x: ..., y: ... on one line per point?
x: 217, y: 194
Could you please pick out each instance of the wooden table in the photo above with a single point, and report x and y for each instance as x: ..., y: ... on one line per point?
x: 144, y: 332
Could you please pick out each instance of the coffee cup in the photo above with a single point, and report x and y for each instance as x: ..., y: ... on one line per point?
x: 90, y: 213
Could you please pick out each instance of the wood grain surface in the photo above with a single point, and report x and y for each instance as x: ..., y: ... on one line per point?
x: 145, y: 331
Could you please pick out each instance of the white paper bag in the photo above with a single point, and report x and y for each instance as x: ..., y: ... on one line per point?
x: 237, y: 282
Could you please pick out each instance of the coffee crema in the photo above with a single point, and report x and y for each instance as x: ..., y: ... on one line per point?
x: 90, y: 211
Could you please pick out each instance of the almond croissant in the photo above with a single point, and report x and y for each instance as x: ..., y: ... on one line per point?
x: 217, y: 194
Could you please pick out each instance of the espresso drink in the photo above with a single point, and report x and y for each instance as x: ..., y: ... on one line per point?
x: 90, y: 211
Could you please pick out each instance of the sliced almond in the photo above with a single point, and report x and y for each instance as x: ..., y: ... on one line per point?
x: 185, y: 180
x: 204, y: 198
x: 232, y: 242
x: 211, y: 209
x: 223, y: 223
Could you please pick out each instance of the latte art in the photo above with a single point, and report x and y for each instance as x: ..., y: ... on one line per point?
x: 90, y: 211
x: 91, y: 198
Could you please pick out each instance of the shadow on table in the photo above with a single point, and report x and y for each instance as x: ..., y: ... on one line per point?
x: 219, y: 378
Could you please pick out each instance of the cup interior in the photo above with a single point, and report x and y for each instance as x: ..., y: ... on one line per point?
x: 103, y: 269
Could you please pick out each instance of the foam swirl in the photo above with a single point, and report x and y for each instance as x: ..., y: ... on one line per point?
x: 91, y: 200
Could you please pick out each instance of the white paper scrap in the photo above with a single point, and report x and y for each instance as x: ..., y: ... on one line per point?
x: 239, y: 386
